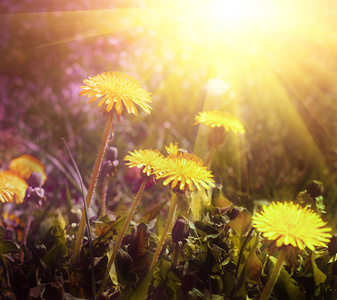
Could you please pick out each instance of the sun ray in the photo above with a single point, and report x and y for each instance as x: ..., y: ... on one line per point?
x: 67, y: 26
x: 272, y: 60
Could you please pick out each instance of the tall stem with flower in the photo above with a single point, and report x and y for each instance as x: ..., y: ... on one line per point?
x: 173, y: 205
x: 145, y: 159
x: 220, y: 122
x: 183, y: 171
x: 118, y: 91
x: 274, y: 275
x: 91, y: 189
x: 109, y: 168
x: 120, y: 238
x: 289, y: 226
x: 34, y: 198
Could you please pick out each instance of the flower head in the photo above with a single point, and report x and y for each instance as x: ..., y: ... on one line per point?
x: 174, y: 149
x: 183, y: 171
x: 25, y: 165
x: 147, y: 159
x: 6, y: 189
x: 18, y: 183
x: 219, y: 119
x: 290, y: 224
x: 118, y: 91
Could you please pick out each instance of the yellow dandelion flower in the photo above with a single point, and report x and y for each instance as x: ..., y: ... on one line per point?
x: 25, y: 165
x: 183, y: 171
x: 219, y: 119
x: 6, y: 189
x: 290, y: 224
x: 18, y: 183
x: 119, y: 90
x: 148, y: 158
x: 172, y: 149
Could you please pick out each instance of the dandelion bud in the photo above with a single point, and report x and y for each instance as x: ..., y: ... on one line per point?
x: 109, y: 167
x: 315, y: 189
x: 180, y: 231
x: 40, y: 250
x: 35, y: 194
x: 106, y: 167
x: 35, y: 180
x: 112, y: 153
x: 115, y: 164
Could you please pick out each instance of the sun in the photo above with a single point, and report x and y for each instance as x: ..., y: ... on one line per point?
x: 240, y: 15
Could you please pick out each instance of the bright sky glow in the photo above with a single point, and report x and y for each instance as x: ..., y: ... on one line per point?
x: 238, y: 14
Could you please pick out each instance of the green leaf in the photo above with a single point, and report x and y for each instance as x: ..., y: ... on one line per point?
x: 154, y: 212
x: 219, y: 200
x: 124, y: 266
x: 241, y: 223
x: 199, y: 199
x: 253, y: 269
x: 319, y: 276
x: 53, y: 256
x: 284, y: 279
x: 142, y: 288
x: 229, y: 283
x: 7, y: 246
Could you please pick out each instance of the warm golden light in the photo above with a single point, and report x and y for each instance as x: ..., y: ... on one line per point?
x: 267, y: 61
x: 239, y: 15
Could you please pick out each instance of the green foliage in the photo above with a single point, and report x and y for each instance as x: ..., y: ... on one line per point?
x: 218, y: 256
x: 6, y: 246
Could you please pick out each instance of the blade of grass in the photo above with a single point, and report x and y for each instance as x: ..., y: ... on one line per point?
x: 140, y: 292
x: 69, y: 173
x: 93, y: 283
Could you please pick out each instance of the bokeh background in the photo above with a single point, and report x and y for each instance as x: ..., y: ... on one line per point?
x: 272, y: 64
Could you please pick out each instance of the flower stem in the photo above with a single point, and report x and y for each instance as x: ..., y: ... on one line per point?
x: 173, y: 205
x: 274, y: 276
x: 104, y: 190
x: 26, y: 230
x: 210, y: 157
x: 91, y: 189
x: 120, y: 238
